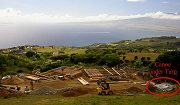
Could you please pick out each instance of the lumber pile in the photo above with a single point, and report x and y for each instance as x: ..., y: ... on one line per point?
x: 94, y: 79
x: 64, y: 71
x: 31, y: 77
x: 93, y: 73
x: 83, y: 81
x: 108, y: 71
x: 116, y: 72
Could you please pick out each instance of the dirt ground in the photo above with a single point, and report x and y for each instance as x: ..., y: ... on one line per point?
x: 117, y: 88
x: 73, y: 86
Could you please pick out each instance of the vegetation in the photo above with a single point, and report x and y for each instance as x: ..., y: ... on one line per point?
x: 92, y: 100
x: 30, y: 54
x: 27, y: 58
x: 12, y: 62
x: 59, y: 49
x: 156, y: 44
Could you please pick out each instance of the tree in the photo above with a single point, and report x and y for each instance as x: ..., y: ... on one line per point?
x: 148, y: 58
x: 90, y: 58
x: 138, y: 64
x: 143, y: 59
x: 37, y: 56
x: 30, y: 54
x: 109, y: 60
x: 60, y: 57
x: 3, y: 63
x: 75, y: 58
x: 124, y: 57
x: 135, y: 58
x: 2, y: 71
x: 22, y: 47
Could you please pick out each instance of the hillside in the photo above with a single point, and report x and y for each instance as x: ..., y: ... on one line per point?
x: 163, y: 42
x: 29, y: 57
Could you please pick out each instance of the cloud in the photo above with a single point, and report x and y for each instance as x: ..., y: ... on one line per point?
x: 11, y: 15
x: 164, y: 2
x: 135, y: 0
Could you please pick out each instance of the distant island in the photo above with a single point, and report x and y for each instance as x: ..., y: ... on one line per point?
x: 162, y: 42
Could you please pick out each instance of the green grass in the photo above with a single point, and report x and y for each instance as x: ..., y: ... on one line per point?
x: 153, y: 56
x: 74, y: 51
x: 66, y: 50
x: 92, y: 100
x: 14, y: 70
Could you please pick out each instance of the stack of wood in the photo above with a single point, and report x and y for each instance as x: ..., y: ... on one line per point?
x: 93, y: 73
x: 83, y: 81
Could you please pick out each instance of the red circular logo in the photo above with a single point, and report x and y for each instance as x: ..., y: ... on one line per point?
x: 160, y: 78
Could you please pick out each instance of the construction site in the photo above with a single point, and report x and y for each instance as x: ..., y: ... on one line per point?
x: 74, y: 81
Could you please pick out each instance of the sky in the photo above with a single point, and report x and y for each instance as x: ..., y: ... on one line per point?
x: 84, y: 10
x: 84, y: 22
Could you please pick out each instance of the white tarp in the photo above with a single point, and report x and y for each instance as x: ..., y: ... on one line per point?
x: 164, y: 86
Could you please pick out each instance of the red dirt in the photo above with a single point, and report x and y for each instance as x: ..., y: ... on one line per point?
x: 72, y: 92
x: 7, y: 92
x: 13, y: 81
x: 132, y: 90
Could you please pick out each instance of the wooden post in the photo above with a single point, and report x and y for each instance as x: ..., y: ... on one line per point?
x: 0, y: 80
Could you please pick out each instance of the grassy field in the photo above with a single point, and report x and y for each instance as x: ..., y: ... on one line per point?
x: 153, y: 56
x: 65, y: 50
x: 71, y: 50
x: 92, y: 100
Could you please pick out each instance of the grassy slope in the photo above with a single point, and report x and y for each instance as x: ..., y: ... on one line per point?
x: 92, y: 100
x: 150, y: 42
x: 14, y: 69
x: 153, y: 56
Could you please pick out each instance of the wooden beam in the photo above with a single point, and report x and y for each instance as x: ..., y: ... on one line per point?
x: 116, y: 72
x: 108, y: 71
x: 83, y: 81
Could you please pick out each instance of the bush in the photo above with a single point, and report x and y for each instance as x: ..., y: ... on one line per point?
x: 138, y: 64
x: 60, y: 57
x: 30, y: 54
